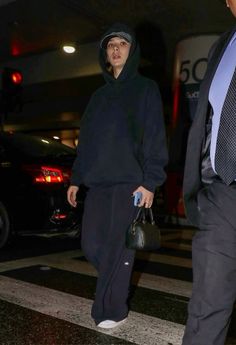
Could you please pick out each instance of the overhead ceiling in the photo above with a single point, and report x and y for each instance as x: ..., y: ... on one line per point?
x: 32, y: 27
x: 35, y: 26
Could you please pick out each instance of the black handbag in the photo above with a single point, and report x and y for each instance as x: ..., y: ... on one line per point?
x: 143, y: 233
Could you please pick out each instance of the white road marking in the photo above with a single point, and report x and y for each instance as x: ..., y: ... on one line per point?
x: 139, y: 328
x: 65, y: 261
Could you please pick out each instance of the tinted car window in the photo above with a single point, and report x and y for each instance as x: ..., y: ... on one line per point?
x: 35, y: 146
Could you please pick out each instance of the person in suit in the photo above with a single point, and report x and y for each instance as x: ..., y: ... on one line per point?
x: 210, y: 196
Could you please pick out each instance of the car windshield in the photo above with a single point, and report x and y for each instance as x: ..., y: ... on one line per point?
x: 35, y: 146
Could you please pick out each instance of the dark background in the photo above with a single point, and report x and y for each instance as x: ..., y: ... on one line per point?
x: 56, y: 86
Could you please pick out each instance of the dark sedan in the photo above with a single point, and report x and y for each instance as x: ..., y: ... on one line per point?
x: 34, y: 176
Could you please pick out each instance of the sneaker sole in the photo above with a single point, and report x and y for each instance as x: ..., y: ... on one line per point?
x: 118, y: 323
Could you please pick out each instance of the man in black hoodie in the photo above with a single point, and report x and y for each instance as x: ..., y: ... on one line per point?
x: 122, y: 150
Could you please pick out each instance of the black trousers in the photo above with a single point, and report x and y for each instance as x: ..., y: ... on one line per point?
x: 214, y: 267
x: 108, y: 213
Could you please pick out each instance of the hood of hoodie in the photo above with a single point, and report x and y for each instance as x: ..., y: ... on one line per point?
x: 130, y: 68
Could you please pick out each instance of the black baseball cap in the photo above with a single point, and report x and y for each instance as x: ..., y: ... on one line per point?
x: 121, y: 34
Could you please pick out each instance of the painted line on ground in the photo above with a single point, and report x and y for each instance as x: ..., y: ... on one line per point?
x: 139, y: 328
x: 64, y: 261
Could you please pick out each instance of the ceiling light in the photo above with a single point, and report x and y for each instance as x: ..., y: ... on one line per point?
x: 69, y: 49
x: 45, y: 141
x: 56, y: 137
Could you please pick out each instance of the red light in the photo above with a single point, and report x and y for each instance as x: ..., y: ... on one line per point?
x: 45, y: 174
x: 59, y: 216
x: 175, y: 113
x: 16, y: 78
x: 15, y: 50
x: 49, y: 175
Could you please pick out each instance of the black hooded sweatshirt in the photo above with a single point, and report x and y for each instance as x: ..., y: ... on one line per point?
x: 122, y: 135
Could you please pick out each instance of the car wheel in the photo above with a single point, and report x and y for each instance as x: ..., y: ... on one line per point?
x: 4, y: 226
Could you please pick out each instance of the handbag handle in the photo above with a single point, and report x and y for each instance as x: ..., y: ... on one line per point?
x: 142, y: 212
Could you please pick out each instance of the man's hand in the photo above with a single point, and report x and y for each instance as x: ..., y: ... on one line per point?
x: 147, y: 197
x: 71, y: 195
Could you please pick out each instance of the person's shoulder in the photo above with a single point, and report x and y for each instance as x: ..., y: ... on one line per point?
x: 225, y: 35
x: 152, y: 86
x: 152, y: 90
x: 148, y: 82
x: 99, y: 92
x: 221, y: 41
x: 228, y: 33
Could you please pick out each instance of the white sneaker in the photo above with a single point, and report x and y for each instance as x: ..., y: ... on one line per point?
x: 110, y: 323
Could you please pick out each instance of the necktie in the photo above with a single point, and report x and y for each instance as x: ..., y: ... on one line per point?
x: 225, y: 157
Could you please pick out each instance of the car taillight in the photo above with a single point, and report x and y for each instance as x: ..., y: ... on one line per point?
x: 58, y: 216
x: 49, y: 175
x: 46, y: 174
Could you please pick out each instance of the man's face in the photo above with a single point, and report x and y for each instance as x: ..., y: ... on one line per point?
x: 232, y: 5
x: 117, y: 52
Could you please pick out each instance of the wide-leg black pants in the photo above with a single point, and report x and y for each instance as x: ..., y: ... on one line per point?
x: 107, y: 214
x: 214, y: 267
